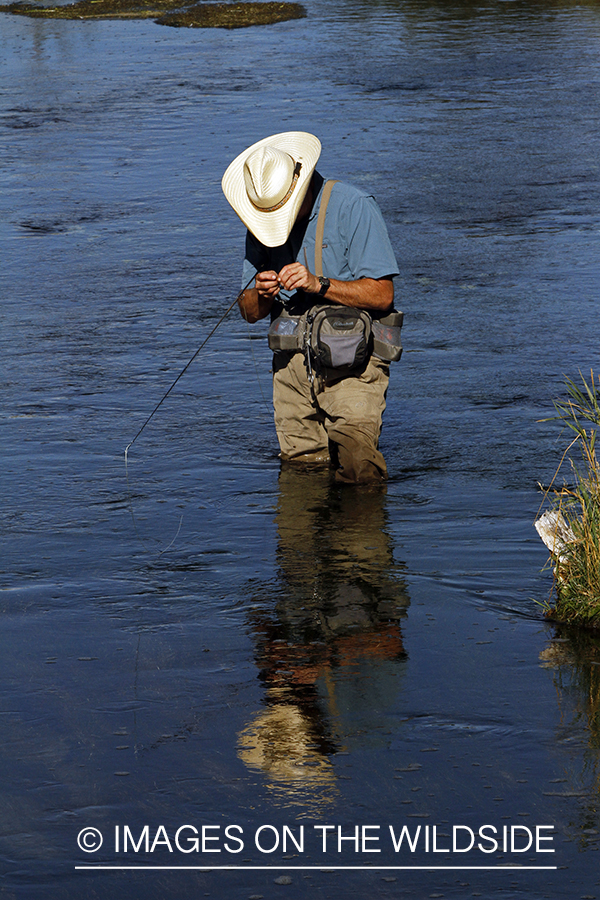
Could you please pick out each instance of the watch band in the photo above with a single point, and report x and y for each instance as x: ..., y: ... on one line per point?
x: 325, y: 284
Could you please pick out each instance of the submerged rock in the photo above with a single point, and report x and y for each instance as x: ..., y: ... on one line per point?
x: 175, y: 13
x: 232, y: 15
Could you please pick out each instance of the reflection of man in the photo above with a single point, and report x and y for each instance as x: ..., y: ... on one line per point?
x: 330, y: 371
x: 341, y: 585
x: 328, y: 637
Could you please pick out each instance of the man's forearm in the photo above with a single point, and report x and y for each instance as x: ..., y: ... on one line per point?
x: 374, y: 294
x: 254, y: 306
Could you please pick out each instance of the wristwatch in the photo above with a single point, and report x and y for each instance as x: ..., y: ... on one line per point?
x: 325, y: 284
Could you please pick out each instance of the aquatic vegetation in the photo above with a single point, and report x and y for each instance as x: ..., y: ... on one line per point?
x: 575, y: 511
x: 176, y: 13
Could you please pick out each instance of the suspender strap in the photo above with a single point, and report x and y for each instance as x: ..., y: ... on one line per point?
x: 321, y: 227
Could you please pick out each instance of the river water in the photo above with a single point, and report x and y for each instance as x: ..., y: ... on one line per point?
x: 258, y: 648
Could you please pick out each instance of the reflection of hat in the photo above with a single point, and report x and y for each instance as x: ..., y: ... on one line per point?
x: 267, y: 183
x: 279, y: 742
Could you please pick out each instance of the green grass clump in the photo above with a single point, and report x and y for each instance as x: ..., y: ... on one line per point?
x: 577, y: 565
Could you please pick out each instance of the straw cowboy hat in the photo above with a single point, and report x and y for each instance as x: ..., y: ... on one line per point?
x: 267, y: 183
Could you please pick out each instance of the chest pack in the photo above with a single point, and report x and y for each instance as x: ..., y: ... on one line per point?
x: 333, y: 336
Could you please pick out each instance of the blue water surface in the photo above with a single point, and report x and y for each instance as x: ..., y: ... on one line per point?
x: 219, y: 643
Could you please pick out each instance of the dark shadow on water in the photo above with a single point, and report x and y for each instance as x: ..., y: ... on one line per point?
x: 322, y: 633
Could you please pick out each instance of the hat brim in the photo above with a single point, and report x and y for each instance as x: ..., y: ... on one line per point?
x: 273, y: 228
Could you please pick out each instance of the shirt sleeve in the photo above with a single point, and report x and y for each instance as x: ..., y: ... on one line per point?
x: 369, y: 252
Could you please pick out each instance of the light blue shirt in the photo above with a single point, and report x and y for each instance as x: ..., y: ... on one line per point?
x: 356, y: 245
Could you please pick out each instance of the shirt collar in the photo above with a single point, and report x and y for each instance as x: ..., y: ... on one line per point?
x: 318, y: 182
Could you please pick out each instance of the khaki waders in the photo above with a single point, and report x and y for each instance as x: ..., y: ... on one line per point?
x: 338, y: 424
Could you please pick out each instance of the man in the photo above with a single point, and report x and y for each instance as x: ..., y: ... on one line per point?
x: 328, y: 409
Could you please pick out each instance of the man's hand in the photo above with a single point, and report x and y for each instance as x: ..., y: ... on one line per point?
x: 296, y: 277
x: 255, y: 303
x: 267, y: 285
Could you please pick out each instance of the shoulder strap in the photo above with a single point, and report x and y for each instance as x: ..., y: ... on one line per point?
x: 321, y: 226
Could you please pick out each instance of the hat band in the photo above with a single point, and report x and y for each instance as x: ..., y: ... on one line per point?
x: 285, y: 199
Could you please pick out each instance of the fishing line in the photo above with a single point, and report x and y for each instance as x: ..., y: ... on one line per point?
x: 256, y: 372
x: 159, y: 404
